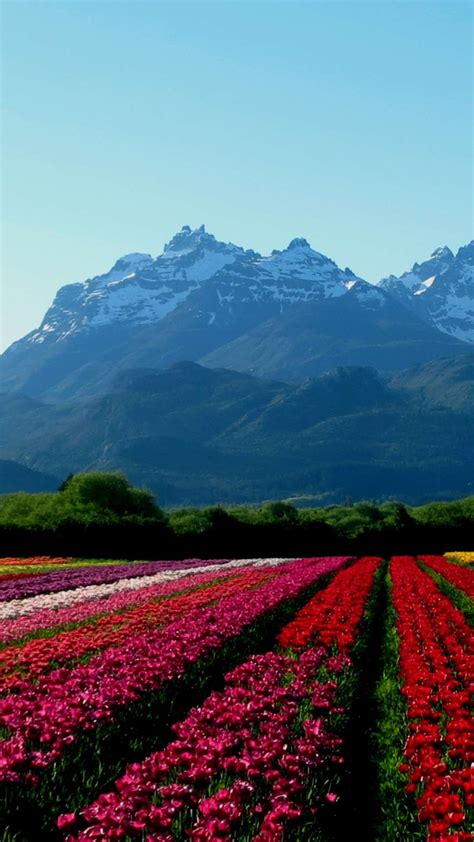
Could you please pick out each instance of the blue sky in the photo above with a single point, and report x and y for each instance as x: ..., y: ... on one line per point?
x: 348, y: 123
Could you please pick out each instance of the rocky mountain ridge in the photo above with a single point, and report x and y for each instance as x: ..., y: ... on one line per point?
x: 440, y: 290
x: 289, y: 315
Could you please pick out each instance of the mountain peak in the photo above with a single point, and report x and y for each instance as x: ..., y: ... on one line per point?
x: 298, y: 243
x: 466, y: 253
x: 442, y: 252
x: 300, y: 251
x: 441, y: 290
x: 187, y: 240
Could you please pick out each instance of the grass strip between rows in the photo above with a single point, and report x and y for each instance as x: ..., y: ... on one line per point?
x: 392, y: 810
x: 354, y: 689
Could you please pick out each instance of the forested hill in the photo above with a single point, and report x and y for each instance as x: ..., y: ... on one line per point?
x: 197, y: 436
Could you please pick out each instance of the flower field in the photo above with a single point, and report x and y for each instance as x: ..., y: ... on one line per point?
x: 247, y: 699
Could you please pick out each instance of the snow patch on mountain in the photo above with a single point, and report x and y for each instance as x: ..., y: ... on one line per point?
x: 125, y: 266
x: 294, y: 275
x: 133, y: 302
x: 425, y: 285
x: 367, y: 295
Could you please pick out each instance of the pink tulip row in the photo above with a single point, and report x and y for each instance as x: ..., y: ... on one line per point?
x: 42, y: 720
x: 247, y: 757
x: 50, y: 610
x: 21, y: 664
x: 259, y: 758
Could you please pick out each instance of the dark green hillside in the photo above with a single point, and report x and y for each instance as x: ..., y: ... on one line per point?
x: 20, y: 416
x: 447, y: 382
x: 197, y: 436
x: 338, y: 393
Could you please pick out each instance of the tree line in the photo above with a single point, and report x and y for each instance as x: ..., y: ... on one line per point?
x: 101, y: 515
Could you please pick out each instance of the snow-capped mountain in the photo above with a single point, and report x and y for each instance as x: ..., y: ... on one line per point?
x: 138, y: 289
x: 293, y: 275
x: 141, y: 290
x: 290, y: 314
x: 440, y: 290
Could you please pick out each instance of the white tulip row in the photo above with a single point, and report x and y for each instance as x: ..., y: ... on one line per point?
x: 19, y: 607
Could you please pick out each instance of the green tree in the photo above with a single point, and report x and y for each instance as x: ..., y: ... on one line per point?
x: 188, y: 521
x: 280, y: 512
x: 109, y: 493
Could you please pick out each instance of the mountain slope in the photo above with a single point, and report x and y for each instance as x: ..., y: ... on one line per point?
x: 447, y: 382
x: 364, y: 327
x: 91, y: 327
x: 440, y: 290
x: 210, y: 301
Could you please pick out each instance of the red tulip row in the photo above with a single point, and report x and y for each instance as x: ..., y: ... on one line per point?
x: 33, y: 561
x: 460, y: 577
x: 19, y: 664
x: 436, y: 665
x: 334, y: 613
x: 43, y: 719
x: 14, y: 568
x: 257, y: 759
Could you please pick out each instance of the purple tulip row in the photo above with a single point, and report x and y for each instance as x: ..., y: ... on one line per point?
x: 243, y: 765
x: 42, y: 720
x: 61, y: 580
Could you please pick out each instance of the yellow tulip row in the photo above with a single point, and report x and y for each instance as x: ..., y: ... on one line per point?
x: 463, y: 557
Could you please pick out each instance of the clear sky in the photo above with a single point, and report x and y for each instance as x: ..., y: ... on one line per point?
x: 348, y: 123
